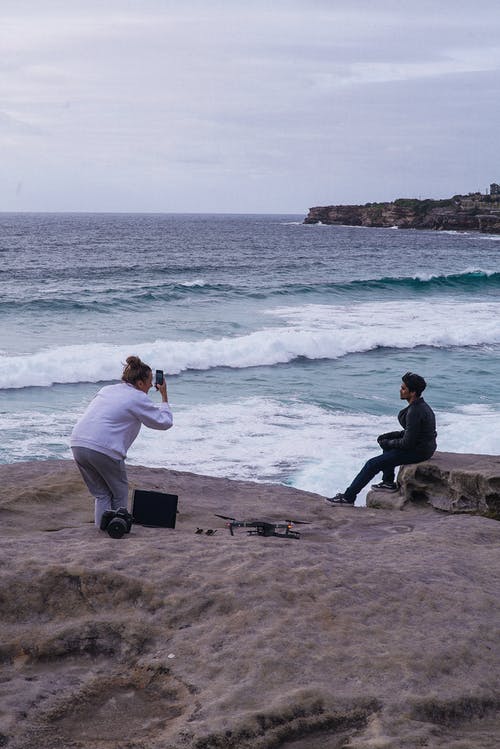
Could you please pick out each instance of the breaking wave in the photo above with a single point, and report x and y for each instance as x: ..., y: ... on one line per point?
x: 310, y: 331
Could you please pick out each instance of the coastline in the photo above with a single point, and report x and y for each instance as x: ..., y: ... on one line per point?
x: 474, y: 212
x: 377, y: 627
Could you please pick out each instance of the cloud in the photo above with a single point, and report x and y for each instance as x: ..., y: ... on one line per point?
x: 262, y: 104
x: 365, y: 73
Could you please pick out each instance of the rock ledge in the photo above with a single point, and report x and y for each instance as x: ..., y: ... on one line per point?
x: 452, y: 482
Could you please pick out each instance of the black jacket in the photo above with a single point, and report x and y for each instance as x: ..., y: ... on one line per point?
x: 419, y: 430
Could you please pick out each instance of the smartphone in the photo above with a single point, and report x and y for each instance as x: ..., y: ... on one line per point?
x: 159, y: 377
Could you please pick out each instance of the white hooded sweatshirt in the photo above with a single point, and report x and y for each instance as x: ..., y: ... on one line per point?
x: 114, y: 418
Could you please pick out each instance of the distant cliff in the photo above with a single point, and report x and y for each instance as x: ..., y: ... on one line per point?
x: 473, y: 212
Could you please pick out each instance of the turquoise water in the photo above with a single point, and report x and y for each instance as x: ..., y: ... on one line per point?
x: 283, y: 344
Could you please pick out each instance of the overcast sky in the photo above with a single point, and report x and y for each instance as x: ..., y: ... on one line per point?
x: 246, y: 107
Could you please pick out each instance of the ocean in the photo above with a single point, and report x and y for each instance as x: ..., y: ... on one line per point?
x: 283, y: 343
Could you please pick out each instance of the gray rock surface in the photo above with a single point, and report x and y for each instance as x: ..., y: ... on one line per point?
x: 385, y: 500
x: 455, y: 483
x: 375, y: 630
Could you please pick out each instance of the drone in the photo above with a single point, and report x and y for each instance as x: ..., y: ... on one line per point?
x: 264, y: 527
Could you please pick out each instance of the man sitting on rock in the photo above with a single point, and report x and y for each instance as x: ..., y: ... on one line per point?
x: 415, y: 443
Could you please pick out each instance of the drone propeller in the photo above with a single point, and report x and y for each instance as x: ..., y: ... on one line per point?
x: 294, y: 522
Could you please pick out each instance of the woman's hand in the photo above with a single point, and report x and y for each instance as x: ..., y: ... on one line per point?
x: 162, y: 389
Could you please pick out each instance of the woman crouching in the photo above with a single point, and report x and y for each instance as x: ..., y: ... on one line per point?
x: 104, y: 433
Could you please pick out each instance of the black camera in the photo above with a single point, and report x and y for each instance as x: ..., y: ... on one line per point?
x: 159, y: 377
x: 116, y: 522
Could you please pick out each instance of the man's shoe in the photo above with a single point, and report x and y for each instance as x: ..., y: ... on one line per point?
x: 386, y: 486
x: 340, y: 499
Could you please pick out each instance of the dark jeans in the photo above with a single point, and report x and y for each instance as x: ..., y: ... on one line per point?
x: 386, y: 463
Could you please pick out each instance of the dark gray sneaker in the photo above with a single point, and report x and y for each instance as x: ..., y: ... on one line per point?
x: 386, y: 486
x: 340, y: 499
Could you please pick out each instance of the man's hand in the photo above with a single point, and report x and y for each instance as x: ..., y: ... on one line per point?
x: 386, y: 440
x: 383, y: 442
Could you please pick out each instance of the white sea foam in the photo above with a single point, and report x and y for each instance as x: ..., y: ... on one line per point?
x: 311, y: 331
x: 470, y: 271
x: 263, y: 439
x: 473, y: 428
x: 477, y: 271
x: 194, y: 282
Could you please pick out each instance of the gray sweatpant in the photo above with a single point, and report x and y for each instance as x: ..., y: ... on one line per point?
x: 106, y: 479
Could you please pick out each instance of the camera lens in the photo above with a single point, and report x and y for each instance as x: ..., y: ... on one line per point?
x: 117, y: 527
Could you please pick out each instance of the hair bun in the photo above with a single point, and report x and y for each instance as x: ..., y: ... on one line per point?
x: 135, y: 370
x: 133, y: 361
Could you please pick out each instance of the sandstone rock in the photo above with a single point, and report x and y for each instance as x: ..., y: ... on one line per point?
x: 385, y: 500
x: 455, y: 483
x: 374, y: 630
